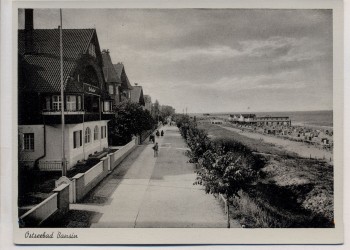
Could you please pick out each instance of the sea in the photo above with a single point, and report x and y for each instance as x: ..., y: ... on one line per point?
x: 323, y: 118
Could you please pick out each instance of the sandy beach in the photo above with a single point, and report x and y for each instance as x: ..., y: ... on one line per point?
x: 299, y: 148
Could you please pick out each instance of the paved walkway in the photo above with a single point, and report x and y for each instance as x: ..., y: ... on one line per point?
x: 144, y: 191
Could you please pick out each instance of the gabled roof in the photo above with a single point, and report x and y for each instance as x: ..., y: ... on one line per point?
x: 109, y: 70
x: 42, y: 68
x: 120, y: 69
x: 137, y: 95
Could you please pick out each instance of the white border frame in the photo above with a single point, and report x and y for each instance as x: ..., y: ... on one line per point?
x: 181, y: 235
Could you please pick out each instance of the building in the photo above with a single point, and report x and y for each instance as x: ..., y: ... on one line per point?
x: 273, y: 121
x: 216, y: 121
x: 113, y: 82
x: 136, y: 95
x: 125, y: 86
x: 246, y: 118
x: 87, y: 105
x: 148, y: 103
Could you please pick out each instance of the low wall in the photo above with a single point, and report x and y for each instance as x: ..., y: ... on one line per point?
x: 84, y: 182
x: 121, y: 153
x: 53, y: 207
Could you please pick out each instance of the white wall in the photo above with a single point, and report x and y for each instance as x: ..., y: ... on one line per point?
x: 53, y: 142
x: 83, y: 152
x: 31, y: 156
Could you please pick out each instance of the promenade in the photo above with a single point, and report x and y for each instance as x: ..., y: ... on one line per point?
x: 144, y: 191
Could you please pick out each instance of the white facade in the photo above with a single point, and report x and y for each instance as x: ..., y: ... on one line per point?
x: 74, y: 152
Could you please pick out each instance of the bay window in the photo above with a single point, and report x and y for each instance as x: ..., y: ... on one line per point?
x: 71, y: 102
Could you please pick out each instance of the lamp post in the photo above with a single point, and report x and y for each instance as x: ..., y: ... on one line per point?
x: 64, y: 165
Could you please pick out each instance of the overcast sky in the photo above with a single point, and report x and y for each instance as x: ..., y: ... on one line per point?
x: 216, y: 60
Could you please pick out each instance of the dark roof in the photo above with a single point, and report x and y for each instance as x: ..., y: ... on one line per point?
x: 42, y: 68
x: 109, y: 70
x: 120, y: 69
x: 137, y: 95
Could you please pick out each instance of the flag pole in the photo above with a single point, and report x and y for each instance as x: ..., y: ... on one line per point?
x: 64, y: 166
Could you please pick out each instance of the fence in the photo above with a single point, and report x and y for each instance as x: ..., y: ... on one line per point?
x: 56, y: 205
x: 40, y: 212
x: 51, y: 165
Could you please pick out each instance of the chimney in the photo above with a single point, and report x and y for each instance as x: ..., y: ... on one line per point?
x: 28, y: 30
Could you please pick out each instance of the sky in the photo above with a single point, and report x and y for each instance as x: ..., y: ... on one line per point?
x: 216, y: 60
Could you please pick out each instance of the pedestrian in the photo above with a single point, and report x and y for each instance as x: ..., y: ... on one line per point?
x: 162, y: 133
x: 155, y: 149
x: 157, y: 133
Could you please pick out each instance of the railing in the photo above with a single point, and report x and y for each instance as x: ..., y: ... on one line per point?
x: 93, y: 172
x: 42, y: 211
x: 51, y: 165
x: 66, y: 112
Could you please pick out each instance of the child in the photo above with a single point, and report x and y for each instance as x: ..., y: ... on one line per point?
x: 155, y: 149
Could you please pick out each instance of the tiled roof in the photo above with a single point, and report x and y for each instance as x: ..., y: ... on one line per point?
x: 119, y: 67
x: 109, y: 71
x: 42, y: 68
x: 137, y: 95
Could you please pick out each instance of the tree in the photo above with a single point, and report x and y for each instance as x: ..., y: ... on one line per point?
x: 166, y: 111
x: 223, y: 171
x: 130, y: 119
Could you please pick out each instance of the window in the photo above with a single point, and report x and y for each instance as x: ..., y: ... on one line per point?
x: 107, y: 106
x: 77, y: 139
x: 96, y: 133
x: 71, y: 102
x: 111, y: 89
x: 56, y: 102
x: 79, y: 102
x: 28, y: 141
x: 103, y: 132
x: 87, y: 135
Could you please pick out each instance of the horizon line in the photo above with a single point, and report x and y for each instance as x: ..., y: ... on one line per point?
x: 248, y: 112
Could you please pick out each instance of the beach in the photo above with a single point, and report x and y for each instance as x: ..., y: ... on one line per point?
x: 299, y: 148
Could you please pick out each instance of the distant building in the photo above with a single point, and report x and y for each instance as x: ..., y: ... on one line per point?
x: 246, y: 118
x: 125, y: 86
x: 148, y: 102
x: 216, y: 121
x: 113, y: 82
x: 273, y: 121
x: 136, y: 95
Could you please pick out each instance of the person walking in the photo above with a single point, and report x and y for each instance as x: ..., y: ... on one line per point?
x: 155, y: 149
x: 162, y: 133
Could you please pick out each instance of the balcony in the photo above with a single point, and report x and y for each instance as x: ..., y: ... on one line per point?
x: 66, y: 112
x: 70, y: 116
